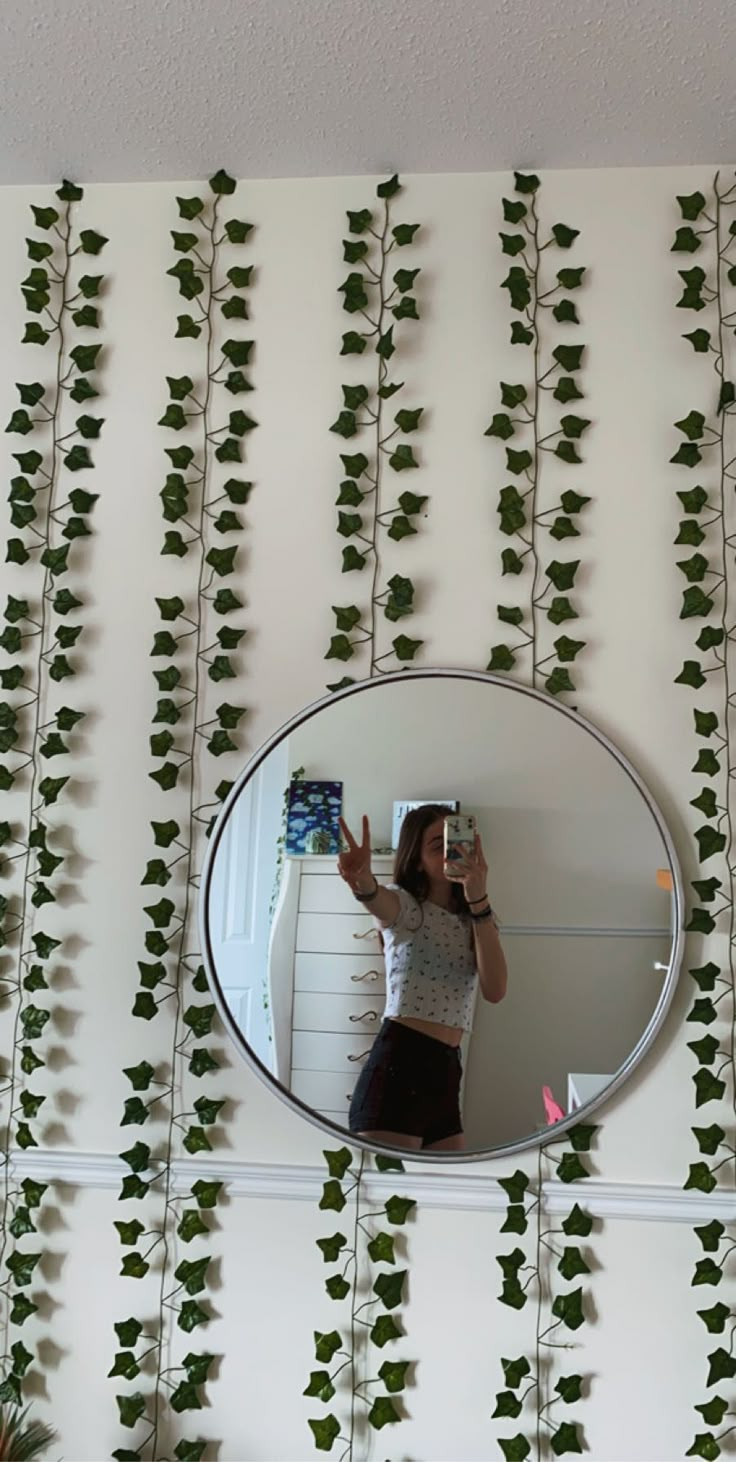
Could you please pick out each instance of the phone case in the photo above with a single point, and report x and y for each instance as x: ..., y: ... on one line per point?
x: 459, y: 836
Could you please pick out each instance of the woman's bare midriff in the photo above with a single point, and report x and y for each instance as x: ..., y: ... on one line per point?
x: 450, y: 1035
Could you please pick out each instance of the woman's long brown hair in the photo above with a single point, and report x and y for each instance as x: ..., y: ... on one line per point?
x: 408, y: 872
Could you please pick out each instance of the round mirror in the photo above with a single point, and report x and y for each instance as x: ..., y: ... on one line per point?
x: 370, y: 987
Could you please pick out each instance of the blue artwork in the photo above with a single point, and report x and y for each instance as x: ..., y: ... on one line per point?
x: 312, y: 817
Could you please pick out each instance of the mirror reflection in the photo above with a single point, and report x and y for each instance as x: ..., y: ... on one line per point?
x: 441, y: 913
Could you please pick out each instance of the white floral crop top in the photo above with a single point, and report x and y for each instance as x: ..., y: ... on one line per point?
x: 430, y: 963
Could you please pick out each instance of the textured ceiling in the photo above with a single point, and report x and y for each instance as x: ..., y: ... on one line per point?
x: 121, y: 90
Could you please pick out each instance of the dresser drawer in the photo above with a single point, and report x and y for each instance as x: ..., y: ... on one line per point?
x: 326, y: 1091
x: 339, y: 974
x: 338, y: 934
x: 343, y: 1013
x: 323, y: 1051
x: 328, y: 893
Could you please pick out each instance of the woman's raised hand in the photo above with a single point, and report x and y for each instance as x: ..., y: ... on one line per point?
x: 354, y: 862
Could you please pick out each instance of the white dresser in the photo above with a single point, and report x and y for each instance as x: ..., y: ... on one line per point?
x: 326, y: 983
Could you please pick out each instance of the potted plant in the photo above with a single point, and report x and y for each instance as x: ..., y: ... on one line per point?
x: 21, y: 1439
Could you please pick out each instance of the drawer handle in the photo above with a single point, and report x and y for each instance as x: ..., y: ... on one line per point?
x: 367, y: 1015
x: 369, y: 975
x: 361, y: 1057
x: 367, y: 934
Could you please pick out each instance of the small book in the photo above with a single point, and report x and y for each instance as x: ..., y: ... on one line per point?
x: 312, y: 818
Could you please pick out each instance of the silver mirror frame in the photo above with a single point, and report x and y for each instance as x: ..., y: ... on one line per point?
x: 341, y: 1133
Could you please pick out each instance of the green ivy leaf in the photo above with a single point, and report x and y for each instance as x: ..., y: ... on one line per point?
x: 502, y: 659
x: 404, y: 648
x: 569, y: 1309
x: 237, y: 231
x: 572, y: 1263
x: 353, y: 343
x: 565, y: 1439
x: 389, y: 1288
x: 686, y: 241
x: 327, y: 1345
x: 190, y: 1315
x: 320, y: 1385
x: 383, y: 1330
x: 515, y: 1449
x: 501, y: 426
x: 382, y: 1412
x: 507, y: 1404
x: 515, y: 1370
x: 701, y: 1178
x: 325, y: 1430
x: 381, y: 1249
x: 337, y: 1287
x: 715, y: 1318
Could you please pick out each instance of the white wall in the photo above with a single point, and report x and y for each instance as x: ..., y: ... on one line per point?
x: 638, y: 379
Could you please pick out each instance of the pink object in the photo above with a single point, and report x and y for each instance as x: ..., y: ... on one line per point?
x: 553, y: 1110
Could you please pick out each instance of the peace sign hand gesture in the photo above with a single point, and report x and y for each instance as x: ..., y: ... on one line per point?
x: 354, y: 862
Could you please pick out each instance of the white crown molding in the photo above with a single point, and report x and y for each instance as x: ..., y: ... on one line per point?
x: 658, y: 1202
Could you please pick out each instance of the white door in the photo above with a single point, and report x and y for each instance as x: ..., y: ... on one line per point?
x: 242, y: 885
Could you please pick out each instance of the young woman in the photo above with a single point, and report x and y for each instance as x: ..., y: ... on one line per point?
x: 438, y: 935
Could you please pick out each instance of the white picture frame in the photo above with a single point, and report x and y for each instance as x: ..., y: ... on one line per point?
x: 401, y: 809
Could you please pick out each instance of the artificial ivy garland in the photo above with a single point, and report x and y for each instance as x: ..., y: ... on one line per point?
x: 35, y: 728
x: 364, y: 514
x: 523, y: 517
x: 349, y: 1346
x: 708, y: 529
x: 201, y: 498
x: 539, y: 433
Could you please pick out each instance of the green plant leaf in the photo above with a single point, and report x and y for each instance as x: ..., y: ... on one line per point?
x: 191, y: 1225
x: 320, y: 1385
x: 406, y: 309
x: 507, y: 1404
x: 337, y: 1287
x: 383, y: 1330
x: 389, y: 1288
x: 381, y: 1249
x: 353, y: 343
x: 512, y: 243
x: 515, y: 1370
x: 140, y: 1076
x: 569, y: 1388
x: 325, y: 1430
x: 333, y: 1197
x: 700, y: 1178
x: 722, y: 1366
x: 565, y: 312
x: 501, y: 426
x: 518, y: 462
x: 403, y: 233
x: 569, y: 1309
x: 515, y: 1449
x: 382, y: 1412
x: 131, y: 1408
x: 326, y: 1345
x: 190, y: 1315
x: 572, y: 1263
x: 565, y: 1439
x: 686, y: 241
x: 715, y: 1318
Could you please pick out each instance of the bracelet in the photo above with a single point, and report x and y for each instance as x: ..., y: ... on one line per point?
x: 477, y: 901
x: 365, y: 898
x: 484, y: 914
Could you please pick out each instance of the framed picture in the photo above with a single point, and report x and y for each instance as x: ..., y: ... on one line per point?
x: 401, y: 809
x: 312, y: 817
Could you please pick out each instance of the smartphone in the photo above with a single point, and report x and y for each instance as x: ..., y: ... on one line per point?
x: 459, y: 838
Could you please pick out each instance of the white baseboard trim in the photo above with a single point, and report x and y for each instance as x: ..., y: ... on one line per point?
x: 660, y: 1202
